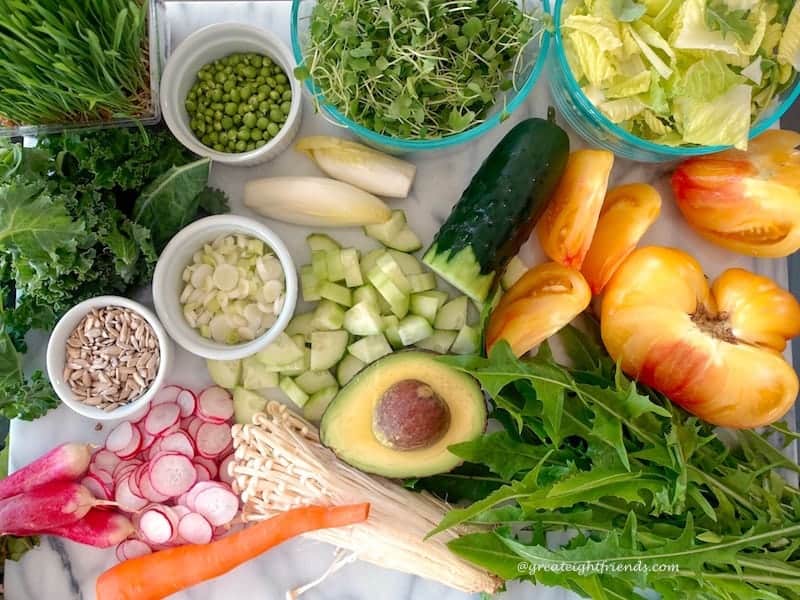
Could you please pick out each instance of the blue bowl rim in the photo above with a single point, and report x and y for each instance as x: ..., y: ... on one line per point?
x: 640, y: 143
x: 432, y: 144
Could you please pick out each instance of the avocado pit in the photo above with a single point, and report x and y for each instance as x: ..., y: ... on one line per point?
x: 410, y: 415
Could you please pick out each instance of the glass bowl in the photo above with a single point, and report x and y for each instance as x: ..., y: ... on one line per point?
x: 535, y: 54
x: 591, y: 124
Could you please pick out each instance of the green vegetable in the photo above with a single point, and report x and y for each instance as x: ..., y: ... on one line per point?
x: 499, y: 208
x: 417, y: 71
x: 234, y: 100
x: 642, y: 482
x: 73, y: 61
x: 67, y: 233
x: 697, y: 72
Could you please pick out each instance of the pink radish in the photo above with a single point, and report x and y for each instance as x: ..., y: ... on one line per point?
x: 132, y: 549
x: 213, y: 439
x: 172, y: 474
x: 195, y: 529
x: 202, y: 472
x: 215, y: 405
x: 133, y: 446
x: 168, y: 393
x: 180, y: 442
x: 218, y: 505
x: 50, y: 505
x: 104, y: 460
x: 193, y: 426
x: 147, y: 437
x: 209, y: 465
x: 199, y: 487
x: 134, y: 479
x: 64, y: 463
x: 224, y: 470
x: 188, y: 402
x: 120, y: 437
x: 96, y: 487
x: 162, y: 417
x: 99, y: 528
x: 148, y: 491
x: 156, y: 526
x: 127, y: 499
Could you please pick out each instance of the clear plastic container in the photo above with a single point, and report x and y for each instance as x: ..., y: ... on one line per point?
x: 591, y: 124
x: 158, y: 54
x: 535, y: 56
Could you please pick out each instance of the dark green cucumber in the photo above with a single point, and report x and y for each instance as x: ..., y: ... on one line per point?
x: 499, y: 208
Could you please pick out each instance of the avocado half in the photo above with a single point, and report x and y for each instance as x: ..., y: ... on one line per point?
x: 379, y: 424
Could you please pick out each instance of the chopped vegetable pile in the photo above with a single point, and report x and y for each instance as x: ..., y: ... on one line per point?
x: 417, y: 70
x: 683, y: 71
x: 83, y: 215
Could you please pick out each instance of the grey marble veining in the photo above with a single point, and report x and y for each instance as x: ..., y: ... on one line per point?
x: 62, y: 570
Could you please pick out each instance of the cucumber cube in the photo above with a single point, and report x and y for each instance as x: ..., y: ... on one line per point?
x: 301, y: 325
x: 453, y: 315
x: 408, y: 262
x: 328, y: 316
x: 255, y: 376
x: 246, y: 404
x: 319, y: 262
x: 348, y: 368
x: 468, y: 341
x: 282, y: 351
x: 390, y: 266
x: 384, y: 232
x: 352, y: 269
x: 405, y: 241
x: 413, y: 329
x: 363, y: 319
x: 333, y: 259
x: 390, y: 325
x: 291, y: 389
x: 370, y: 259
x: 225, y: 373
x: 397, y: 300
x: 309, y: 283
x: 513, y: 273
x: 327, y: 348
x: 336, y: 293
x: 297, y: 367
x: 422, y: 282
x: 426, y: 304
x: 368, y: 294
x: 439, y: 342
x: 318, y: 403
x: 313, y: 381
x: 299, y: 340
x: 371, y: 348
x: 320, y: 242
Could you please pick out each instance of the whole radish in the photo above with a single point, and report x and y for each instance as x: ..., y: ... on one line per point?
x: 67, y: 462
x: 99, y: 528
x: 50, y: 505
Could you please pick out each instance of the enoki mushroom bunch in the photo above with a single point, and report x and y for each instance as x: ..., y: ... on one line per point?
x: 280, y: 464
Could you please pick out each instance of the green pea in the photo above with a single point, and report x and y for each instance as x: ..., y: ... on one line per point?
x: 217, y: 115
x: 274, y: 95
x: 245, y: 92
x: 287, y: 95
x: 201, y: 127
x: 216, y: 95
x: 280, y: 88
x: 233, y: 135
x: 241, y: 146
x: 219, y: 147
x: 244, y: 134
x: 261, y: 98
x: 223, y: 138
x: 235, y: 95
x: 231, y: 108
x: 281, y: 78
x: 227, y: 123
x: 260, y: 143
x: 237, y: 119
x: 191, y: 106
x: 209, y: 112
x: 250, y: 72
x: 251, y: 146
x: 207, y: 140
x: 256, y: 61
x: 217, y: 126
x: 229, y: 85
x: 214, y: 137
x: 218, y: 106
x: 271, y: 82
x: 263, y: 107
x: 262, y: 123
x: 260, y: 80
x: 275, y: 115
x: 220, y: 77
x: 286, y: 107
x: 255, y: 134
x: 273, y: 129
x: 249, y: 120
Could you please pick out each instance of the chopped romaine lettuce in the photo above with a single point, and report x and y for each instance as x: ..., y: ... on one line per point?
x: 789, y: 47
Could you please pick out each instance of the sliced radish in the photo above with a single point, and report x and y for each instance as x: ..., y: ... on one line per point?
x: 217, y: 504
x: 127, y: 499
x: 132, y: 448
x: 209, y: 465
x: 202, y: 473
x: 148, y: 491
x: 120, y: 437
x: 168, y: 393
x: 123, y: 470
x: 105, y: 478
x: 132, y: 549
x: 180, y: 511
x: 180, y: 442
x: 215, y: 405
x: 135, y: 477
x: 96, y: 487
x: 170, y: 430
x: 172, y: 474
x: 224, y: 470
x: 187, y: 499
x: 195, y: 529
x: 188, y: 403
x: 104, y: 460
x: 213, y: 439
x: 147, y: 438
x: 155, y: 526
x: 162, y: 417
x: 193, y: 426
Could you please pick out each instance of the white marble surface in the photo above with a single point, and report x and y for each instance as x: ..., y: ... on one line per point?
x: 62, y: 570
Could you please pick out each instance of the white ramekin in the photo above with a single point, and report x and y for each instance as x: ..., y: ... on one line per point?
x: 168, y: 284
x: 207, y: 45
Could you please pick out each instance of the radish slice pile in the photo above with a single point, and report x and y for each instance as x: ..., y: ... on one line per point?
x: 169, y: 470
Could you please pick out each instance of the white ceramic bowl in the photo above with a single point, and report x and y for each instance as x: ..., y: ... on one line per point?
x: 168, y: 284
x: 207, y: 45
x: 56, y: 354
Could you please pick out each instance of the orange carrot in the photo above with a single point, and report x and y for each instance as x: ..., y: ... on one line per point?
x: 156, y: 576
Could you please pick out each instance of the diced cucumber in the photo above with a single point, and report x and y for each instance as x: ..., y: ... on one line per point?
x: 246, y: 404
x: 318, y: 403
x: 301, y: 325
x: 299, y: 340
x: 291, y: 389
x: 439, y: 342
x: 327, y: 348
x: 335, y: 266
x: 321, y: 242
x: 384, y: 307
x: 408, y: 262
x: 397, y: 300
x: 368, y: 294
x: 405, y: 241
x: 453, y: 315
x: 309, y: 284
x: 225, y: 373
x: 514, y: 272
x: 390, y: 325
x: 328, y: 316
x: 386, y: 231
x: 427, y: 304
x: 352, y: 269
x: 319, y: 262
x: 370, y: 259
x: 298, y: 367
x: 371, y: 348
x: 255, y: 376
x: 468, y: 341
x: 422, y: 282
x: 363, y: 319
x: 281, y: 351
x: 337, y: 293
x: 313, y: 381
x: 391, y: 267
x: 348, y: 368
x: 413, y: 329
